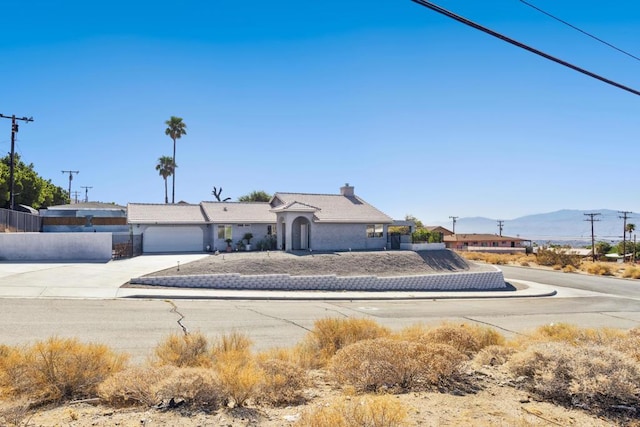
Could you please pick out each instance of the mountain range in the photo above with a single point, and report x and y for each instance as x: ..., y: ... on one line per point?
x: 562, y: 225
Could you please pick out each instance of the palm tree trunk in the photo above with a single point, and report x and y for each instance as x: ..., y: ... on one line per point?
x: 166, y: 195
x: 173, y: 175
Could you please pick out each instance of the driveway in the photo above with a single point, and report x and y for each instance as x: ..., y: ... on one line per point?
x: 81, y: 280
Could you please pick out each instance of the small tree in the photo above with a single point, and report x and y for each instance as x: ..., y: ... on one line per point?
x: 255, y: 196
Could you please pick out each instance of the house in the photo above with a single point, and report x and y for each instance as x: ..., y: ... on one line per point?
x: 485, y: 243
x: 291, y: 221
x: 85, y: 217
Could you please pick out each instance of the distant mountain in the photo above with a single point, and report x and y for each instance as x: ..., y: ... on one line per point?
x: 566, y: 224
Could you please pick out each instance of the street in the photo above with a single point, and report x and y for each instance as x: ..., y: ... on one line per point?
x: 137, y: 325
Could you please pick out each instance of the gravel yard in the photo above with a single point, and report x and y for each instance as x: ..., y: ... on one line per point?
x: 379, y: 263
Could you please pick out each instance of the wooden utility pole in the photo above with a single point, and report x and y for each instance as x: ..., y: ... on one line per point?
x: 454, y: 219
x: 71, y: 179
x: 500, y: 225
x: 12, y: 166
x: 593, y: 239
x: 624, y: 217
x: 86, y: 193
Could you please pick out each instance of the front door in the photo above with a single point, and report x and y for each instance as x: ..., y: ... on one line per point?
x: 304, y: 236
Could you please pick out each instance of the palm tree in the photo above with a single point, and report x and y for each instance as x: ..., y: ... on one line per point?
x: 166, y: 167
x: 175, y: 129
x: 630, y: 228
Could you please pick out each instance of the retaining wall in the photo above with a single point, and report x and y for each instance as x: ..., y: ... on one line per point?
x: 55, y: 246
x: 484, y: 280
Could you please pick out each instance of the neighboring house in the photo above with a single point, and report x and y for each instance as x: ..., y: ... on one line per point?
x: 299, y: 221
x: 485, y: 243
x: 85, y: 217
x: 440, y: 230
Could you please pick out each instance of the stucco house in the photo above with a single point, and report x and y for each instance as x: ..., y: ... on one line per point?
x: 294, y: 221
x: 485, y: 243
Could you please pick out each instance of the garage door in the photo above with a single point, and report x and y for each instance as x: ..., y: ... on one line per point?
x: 172, y: 239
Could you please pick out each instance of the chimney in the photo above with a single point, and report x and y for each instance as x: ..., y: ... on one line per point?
x: 347, y: 190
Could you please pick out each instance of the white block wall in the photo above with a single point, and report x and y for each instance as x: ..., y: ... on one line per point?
x: 485, y: 280
x: 55, y: 246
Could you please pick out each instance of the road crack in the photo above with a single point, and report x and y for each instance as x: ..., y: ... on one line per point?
x: 174, y: 309
x: 275, y: 318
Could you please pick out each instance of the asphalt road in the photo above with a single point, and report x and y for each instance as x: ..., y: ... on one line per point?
x: 136, y: 326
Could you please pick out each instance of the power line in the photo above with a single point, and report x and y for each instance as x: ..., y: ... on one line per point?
x: 14, y: 130
x: 522, y: 45
x: 580, y: 30
x: 593, y: 239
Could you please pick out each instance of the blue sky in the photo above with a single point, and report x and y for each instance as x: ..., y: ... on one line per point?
x: 422, y: 114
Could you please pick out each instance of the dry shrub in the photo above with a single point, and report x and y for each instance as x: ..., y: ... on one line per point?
x: 15, y: 413
x: 569, y: 269
x: 591, y: 376
x: 283, y: 382
x: 239, y: 376
x: 495, y: 259
x: 570, y: 334
x: 458, y: 336
x: 631, y: 272
x: 597, y: 268
x: 134, y: 386
x: 184, y: 350
x: 524, y: 263
x: 629, y: 344
x: 232, y: 342
x: 557, y: 258
x: 370, y: 411
x: 196, y: 387
x: 57, y: 369
x: 493, y: 355
x: 331, y: 334
x: 386, y: 363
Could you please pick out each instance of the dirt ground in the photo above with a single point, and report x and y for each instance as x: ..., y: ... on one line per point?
x: 496, y: 404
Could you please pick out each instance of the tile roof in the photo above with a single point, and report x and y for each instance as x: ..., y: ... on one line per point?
x: 149, y: 213
x: 334, y: 207
x: 473, y: 237
x: 238, y: 212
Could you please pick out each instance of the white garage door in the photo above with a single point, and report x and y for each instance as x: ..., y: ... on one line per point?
x: 172, y: 239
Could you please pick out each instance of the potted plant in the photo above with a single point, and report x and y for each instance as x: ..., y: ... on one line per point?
x: 229, y: 249
x: 248, y: 237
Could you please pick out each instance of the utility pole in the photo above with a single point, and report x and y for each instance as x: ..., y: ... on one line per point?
x: 454, y: 219
x: 593, y: 239
x: 14, y: 130
x: 76, y: 193
x: 70, y: 179
x: 86, y: 193
x: 500, y: 225
x: 625, y: 215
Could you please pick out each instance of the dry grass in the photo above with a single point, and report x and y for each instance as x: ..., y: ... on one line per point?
x: 631, y: 272
x: 569, y: 269
x: 597, y: 268
x: 57, y: 369
x: 234, y: 341
x: 197, y: 388
x: 331, y: 334
x: 370, y: 411
x: 569, y: 334
x: 493, y: 355
x: 186, y: 350
x: 239, y: 375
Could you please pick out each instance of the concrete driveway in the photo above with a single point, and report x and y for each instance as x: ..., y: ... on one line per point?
x: 81, y: 280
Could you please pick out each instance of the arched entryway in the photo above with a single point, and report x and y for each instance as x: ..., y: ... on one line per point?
x: 300, y: 234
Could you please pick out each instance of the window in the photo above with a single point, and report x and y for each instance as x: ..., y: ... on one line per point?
x: 271, y: 230
x: 374, y: 230
x: 224, y: 232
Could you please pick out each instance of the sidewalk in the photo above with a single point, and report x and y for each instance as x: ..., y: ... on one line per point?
x: 104, y: 281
